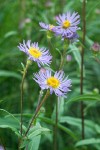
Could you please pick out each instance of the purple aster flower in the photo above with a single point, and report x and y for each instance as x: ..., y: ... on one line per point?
x: 67, y: 25
x: 39, y: 55
x: 46, y: 26
x: 73, y: 38
x: 59, y: 84
x: 1, y: 147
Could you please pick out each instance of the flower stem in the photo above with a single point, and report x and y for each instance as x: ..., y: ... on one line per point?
x: 56, y: 119
x: 37, y: 110
x: 21, y: 101
x: 63, y: 57
x: 82, y: 64
x: 39, y: 99
x: 56, y: 126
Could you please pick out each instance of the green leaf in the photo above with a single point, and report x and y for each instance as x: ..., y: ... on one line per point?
x: 91, y: 128
x: 85, y: 97
x: 76, y: 54
x: 34, y: 143
x: 89, y: 41
x: 63, y: 128
x: 23, y: 66
x: 9, y: 122
x: 34, y: 133
x: 88, y: 142
x: 91, y: 9
x: 4, y: 73
x: 5, y: 56
x: 11, y: 33
x: 9, y: 114
x: 37, y: 130
x: 60, y: 108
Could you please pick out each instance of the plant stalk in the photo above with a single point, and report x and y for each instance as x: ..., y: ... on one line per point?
x: 82, y: 63
x: 37, y: 110
x: 56, y: 126
x: 62, y: 59
x: 56, y: 119
x: 22, y: 91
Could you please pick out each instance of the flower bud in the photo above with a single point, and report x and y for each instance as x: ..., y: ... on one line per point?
x: 68, y: 58
x: 95, y: 47
x: 42, y: 70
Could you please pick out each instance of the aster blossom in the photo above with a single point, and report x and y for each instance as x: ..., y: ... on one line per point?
x: 46, y: 26
x: 58, y: 83
x: 67, y: 25
x: 39, y: 55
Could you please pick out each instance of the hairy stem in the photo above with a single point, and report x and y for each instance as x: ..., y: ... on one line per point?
x: 37, y: 110
x: 21, y: 101
x: 82, y: 63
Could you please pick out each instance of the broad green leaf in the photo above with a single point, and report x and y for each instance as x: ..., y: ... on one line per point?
x: 52, y: 122
x: 76, y: 54
x: 34, y: 143
x: 33, y: 133
x: 14, y: 53
x: 37, y: 130
x: 89, y: 41
x: 24, y: 143
x: 91, y: 127
x: 9, y: 114
x: 63, y: 128
x: 91, y: 141
x: 7, y: 120
x: 85, y: 97
x: 4, y: 73
x: 9, y: 123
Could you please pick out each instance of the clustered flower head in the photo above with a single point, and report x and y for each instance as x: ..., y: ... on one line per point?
x: 67, y: 26
x: 57, y: 83
x: 39, y: 55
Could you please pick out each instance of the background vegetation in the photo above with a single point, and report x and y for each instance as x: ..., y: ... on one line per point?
x: 19, y: 19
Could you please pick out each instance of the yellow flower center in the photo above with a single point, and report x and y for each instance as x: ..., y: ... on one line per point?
x: 66, y: 24
x: 53, y: 82
x: 35, y: 52
x: 51, y: 26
